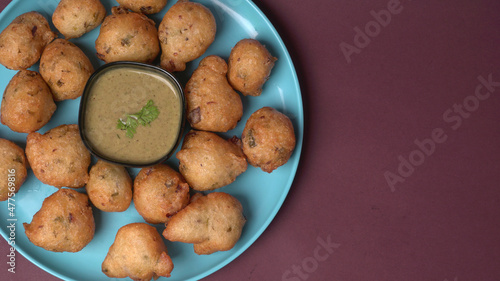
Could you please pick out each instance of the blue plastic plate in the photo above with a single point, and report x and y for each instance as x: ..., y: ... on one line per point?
x: 260, y: 193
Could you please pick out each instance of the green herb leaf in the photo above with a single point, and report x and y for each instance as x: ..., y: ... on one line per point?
x: 144, y: 117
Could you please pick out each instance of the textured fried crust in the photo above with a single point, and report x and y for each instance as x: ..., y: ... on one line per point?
x: 212, y: 104
x: 185, y: 33
x: 59, y: 157
x: 73, y: 18
x: 12, y: 166
x: 22, y: 42
x: 143, y: 6
x: 27, y: 103
x: 138, y: 252
x: 268, y: 139
x: 212, y: 223
x: 159, y: 193
x: 65, y: 222
x: 65, y: 68
x: 109, y: 187
x: 208, y: 161
x: 250, y: 65
x: 127, y: 36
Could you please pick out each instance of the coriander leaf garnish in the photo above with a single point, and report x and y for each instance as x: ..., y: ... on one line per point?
x: 144, y: 117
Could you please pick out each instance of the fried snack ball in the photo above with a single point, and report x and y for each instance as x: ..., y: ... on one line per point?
x: 138, y: 252
x: 250, y: 65
x: 65, y: 68
x: 185, y: 33
x: 73, y: 18
x: 268, y: 139
x: 208, y: 161
x: 212, y: 104
x: 65, y: 222
x: 109, y: 187
x: 212, y: 223
x: 143, y: 6
x: 127, y: 36
x: 159, y: 193
x: 59, y: 157
x: 22, y: 42
x: 13, y: 168
x: 27, y: 103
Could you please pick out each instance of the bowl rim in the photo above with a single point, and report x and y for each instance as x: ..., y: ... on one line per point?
x: 84, y: 100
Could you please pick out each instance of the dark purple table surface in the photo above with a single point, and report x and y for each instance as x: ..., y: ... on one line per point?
x: 400, y: 169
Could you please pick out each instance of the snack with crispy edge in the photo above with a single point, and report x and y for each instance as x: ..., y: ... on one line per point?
x: 13, y: 168
x: 212, y: 223
x: 208, y: 161
x: 212, y: 104
x: 22, y: 41
x: 159, y: 193
x: 186, y: 32
x: 143, y: 6
x: 65, y: 68
x: 127, y: 36
x: 59, y: 157
x: 27, y: 103
x: 109, y: 187
x: 138, y: 252
x: 73, y: 18
x: 268, y: 139
x: 65, y: 222
x: 250, y: 65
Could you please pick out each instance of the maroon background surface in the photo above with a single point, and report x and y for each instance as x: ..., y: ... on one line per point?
x: 442, y: 222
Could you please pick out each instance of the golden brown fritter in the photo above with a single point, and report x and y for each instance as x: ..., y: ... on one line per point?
x: 65, y: 222
x: 127, y: 36
x: 27, y: 103
x: 143, y: 6
x: 159, y: 193
x: 212, y: 223
x: 185, y: 33
x: 73, y: 18
x: 212, y: 104
x: 22, y: 42
x: 109, y: 187
x: 59, y: 157
x: 208, y: 161
x: 13, y: 168
x: 138, y: 252
x: 65, y: 68
x: 268, y: 139
x: 250, y: 65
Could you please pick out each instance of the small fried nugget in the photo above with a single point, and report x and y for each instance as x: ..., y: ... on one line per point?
x: 59, y: 157
x: 208, y: 161
x: 65, y: 68
x: 268, y: 139
x: 212, y: 223
x: 27, y: 103
x: 127, y: 36
x: 65, y: 222
x: 250, y: 65
x: 73, y: 18
x: 159, y: 193
x: 109, y: 187
x: 13, y: 168
x: 186, y: 32
x: 22, y: 42
x: 138, y: 252
x: 212, y: 104
x: 143, y: 6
